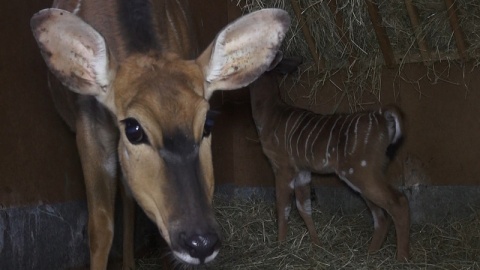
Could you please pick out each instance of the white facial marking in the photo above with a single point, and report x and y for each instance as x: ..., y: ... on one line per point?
x: 211, y: 257
x: 183, y: 256
x: 363, y: 163
x: 189, y: 259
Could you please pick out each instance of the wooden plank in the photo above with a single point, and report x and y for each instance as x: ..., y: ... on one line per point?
x: 320, y: 62
x: 457, y: 30
x: 421, y: 42
x: 339, y: 22
x: 381, y: 33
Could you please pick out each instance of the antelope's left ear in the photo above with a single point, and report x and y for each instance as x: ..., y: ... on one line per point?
x: 75, y: 53
x: 243, y: 50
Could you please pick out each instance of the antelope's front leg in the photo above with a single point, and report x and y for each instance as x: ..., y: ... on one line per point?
x: 304, y: 202
x: 99, y: 164
x: 284, y: 187
x: 128, y: 227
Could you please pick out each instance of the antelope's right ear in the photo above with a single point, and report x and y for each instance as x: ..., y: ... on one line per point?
x: 75, y: 52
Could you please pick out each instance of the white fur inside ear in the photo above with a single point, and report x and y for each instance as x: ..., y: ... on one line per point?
x: 75, y: 52
x: 245, y: 48
x: 100, y: 63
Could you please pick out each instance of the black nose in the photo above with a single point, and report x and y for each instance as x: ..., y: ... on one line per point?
x: 202, y: 245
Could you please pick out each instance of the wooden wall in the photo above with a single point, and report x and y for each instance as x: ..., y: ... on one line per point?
x: 39, y: 162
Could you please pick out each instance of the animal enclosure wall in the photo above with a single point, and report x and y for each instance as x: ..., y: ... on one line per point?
x: 39, y: 161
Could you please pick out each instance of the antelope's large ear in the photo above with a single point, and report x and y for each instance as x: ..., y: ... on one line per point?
x: 243, y: 50
x: 75, y: 52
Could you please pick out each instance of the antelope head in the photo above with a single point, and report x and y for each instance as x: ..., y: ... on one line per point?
x: 159, y: 103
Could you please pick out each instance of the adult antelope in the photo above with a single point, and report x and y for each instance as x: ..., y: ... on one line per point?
x: 353, y: 146
x: 138, y: 104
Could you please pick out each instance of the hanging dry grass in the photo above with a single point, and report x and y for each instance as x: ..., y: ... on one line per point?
x: 250, y: 232
x: 344, y: 39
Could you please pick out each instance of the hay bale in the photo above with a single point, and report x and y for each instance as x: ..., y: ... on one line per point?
x: 355, y: 48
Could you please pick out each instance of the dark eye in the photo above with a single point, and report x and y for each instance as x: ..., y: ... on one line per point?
x: 209, y: 121
x: 134, y: 131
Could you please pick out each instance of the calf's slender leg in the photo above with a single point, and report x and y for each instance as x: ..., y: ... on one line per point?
x: 128, y: 228
x: 100, y: 185
x: 304, y: 202
x: 284, y: 188
x: 380, y: 193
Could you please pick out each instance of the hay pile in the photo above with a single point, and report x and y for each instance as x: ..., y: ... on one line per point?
x: 345, y: 40
x: 249, y: 242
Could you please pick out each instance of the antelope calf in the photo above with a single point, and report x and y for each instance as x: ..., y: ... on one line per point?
x: 353, y: 146
x: 126, y: 80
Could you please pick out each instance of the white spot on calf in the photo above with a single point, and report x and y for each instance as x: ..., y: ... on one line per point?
x: 363, y: 163
x: 350, y: 171
x: 303, y: 178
